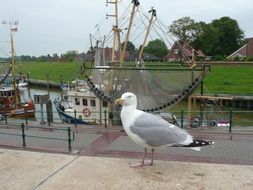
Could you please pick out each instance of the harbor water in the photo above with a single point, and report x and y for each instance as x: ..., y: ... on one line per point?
x: 54, y: 93
x: 210, y: 112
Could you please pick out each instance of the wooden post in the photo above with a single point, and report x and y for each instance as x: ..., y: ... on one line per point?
x: 48, y: 91
x: 189, y: 107
x: 28, y: 85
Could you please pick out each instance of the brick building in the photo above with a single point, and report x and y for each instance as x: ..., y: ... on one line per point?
x: 181, y: 51
x: 243, y: 52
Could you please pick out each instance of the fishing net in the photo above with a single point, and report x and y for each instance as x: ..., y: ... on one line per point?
x: 157, y: 87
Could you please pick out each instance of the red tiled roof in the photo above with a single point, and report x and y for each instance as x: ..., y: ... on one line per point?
x: 186, y: 51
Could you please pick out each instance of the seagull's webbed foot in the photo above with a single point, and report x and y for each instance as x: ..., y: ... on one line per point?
x: 136, y: 164
x: 143, y: 162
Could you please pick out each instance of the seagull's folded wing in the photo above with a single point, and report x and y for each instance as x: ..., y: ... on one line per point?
x: 156, y: 131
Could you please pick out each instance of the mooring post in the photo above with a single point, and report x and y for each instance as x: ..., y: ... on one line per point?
x: 42, y: 114
x: 49, y: 122
x: 26, y: 118
x: 75, y: 118
x: 28, y: 84
x: 105, y: 118
x: 182, y: 119
x: 5, y: 117
x: 201, y: 113
x: 23, y: 134
x: 230, y: 120
x: 69, y: 138
x: 49, y: 108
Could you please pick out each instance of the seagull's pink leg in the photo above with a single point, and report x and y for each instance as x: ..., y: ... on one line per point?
x: 140, y: 163
x: 144, y: 162
x: 150, y: 162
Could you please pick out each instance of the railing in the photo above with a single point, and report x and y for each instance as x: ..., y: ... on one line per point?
x: 25, y: 136
x: 4, y: 119
x: 226, y: 119
x: 184, y: 119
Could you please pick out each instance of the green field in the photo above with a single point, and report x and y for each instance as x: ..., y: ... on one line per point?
x: 221, y: 79
x: 230, y: 80
x: 56, y: 70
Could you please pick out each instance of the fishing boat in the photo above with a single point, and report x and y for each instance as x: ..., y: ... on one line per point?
x: 115, y: 70
x: 11, y: 104
x: 80, y: 105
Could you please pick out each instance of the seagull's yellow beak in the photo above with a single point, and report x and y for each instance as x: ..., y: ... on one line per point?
x: 119, y: 101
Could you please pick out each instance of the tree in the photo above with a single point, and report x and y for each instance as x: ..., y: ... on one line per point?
x: 130, y: 46
x: 184, y: 29
x: 206, y: 39
x: 219, y: 38
x: 42, y: 58
x: 230, y: 36
x: 69, y: 56
x: 157, y: 48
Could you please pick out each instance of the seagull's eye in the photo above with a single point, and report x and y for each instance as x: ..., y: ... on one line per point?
x: 129, y: 96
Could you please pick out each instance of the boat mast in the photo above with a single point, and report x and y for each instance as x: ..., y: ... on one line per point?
x: 153, y: 14
x: 13, y: 63
x: 116, y: 39
x: 116, y: 30
x: 136, y: 3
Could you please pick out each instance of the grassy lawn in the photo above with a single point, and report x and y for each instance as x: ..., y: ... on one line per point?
x: 221, y: 79
x: 230, y: 80
x: 56, y: 70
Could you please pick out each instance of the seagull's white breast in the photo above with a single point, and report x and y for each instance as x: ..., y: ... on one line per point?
x: 128, y: 116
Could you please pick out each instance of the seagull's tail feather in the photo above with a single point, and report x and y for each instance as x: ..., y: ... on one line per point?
x: 195, y: 148
x: 199, y: 143
x: 196, y: 144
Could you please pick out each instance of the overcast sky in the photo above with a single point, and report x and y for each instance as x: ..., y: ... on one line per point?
x: 57, y: 26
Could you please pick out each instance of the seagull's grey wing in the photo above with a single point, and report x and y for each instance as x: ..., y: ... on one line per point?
x: 156, y: 131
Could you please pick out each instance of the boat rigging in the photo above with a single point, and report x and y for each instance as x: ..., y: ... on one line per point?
x: 116, y: 69
x: 10, y: 100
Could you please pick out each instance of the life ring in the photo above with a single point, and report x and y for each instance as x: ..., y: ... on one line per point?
x: 11, y: 99
x: 86, y: 112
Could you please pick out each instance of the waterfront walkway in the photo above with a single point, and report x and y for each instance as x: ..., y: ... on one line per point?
x: 99, y: 160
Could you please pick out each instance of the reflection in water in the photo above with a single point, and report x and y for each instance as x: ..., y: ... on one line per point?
x: 53, y: 94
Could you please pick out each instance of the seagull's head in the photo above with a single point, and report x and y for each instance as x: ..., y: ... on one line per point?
x: 126, y: 99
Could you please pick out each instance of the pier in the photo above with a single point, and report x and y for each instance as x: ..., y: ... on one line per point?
x: 99, y: 155
x: 44, y: 84
x: 233, y: 101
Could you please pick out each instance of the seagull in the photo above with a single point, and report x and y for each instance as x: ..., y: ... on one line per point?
x: 151, y: 131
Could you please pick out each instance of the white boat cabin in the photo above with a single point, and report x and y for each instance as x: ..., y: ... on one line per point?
x: 87, y: 106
